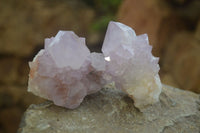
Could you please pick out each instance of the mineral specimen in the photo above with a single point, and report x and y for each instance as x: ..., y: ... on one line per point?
x: 131, y: 65
x: 65, y: 71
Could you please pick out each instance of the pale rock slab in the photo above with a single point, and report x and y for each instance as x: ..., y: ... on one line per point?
x: 111, y: 111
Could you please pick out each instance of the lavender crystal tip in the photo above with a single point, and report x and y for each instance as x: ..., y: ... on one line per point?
x: 65, y: 71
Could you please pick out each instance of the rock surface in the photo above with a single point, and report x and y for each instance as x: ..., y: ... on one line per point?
x: 112, y: 111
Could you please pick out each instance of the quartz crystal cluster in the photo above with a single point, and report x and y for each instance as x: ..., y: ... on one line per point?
x: 131, y: 64
x: 65, y: 71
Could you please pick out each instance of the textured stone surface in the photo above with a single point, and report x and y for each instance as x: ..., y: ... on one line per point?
x: 110, y: 110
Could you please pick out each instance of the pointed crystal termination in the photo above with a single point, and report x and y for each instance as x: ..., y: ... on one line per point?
x: 131, y: 65
x: 65, y: 71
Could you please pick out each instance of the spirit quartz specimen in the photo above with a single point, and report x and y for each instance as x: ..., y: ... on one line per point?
x: 65, y: 71
x: 131, y: 64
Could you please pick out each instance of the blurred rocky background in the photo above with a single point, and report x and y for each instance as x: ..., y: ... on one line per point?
x: 173, y: 27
